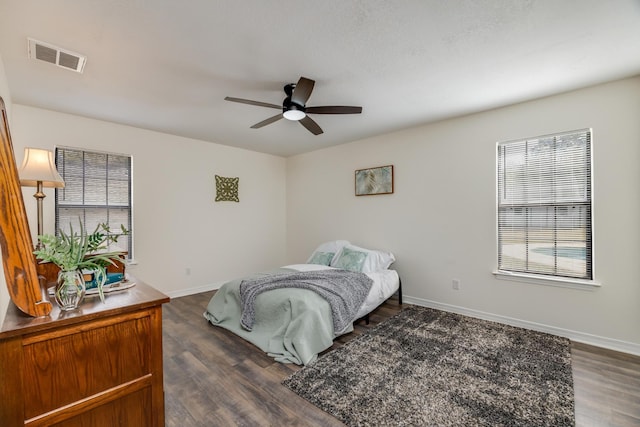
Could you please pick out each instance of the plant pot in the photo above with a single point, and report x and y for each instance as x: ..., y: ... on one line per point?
x: 70, y: 289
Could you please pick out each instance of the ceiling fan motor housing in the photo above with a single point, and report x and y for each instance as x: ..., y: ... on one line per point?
x: 293, y: 111
x: 290, y: 109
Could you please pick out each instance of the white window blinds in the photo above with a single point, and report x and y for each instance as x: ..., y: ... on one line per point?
x: 97, y: 190
x: 544, y: 205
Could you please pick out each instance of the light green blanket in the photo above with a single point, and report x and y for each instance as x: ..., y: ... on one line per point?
x: 291, y: 325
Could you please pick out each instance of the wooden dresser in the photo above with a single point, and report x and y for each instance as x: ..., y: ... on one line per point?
x: 100, y: 365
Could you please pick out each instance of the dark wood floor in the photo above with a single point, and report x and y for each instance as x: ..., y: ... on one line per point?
x: 213, y: 378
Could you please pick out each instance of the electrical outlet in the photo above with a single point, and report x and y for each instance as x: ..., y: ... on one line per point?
x: 455, y: 284
x: 187, y: 271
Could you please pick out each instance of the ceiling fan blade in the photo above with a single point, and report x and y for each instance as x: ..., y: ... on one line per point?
x: 250, y: 102
x: 334, y: 109
x: 311, y: 125
x: 303, y: 90
x: 267, y: 121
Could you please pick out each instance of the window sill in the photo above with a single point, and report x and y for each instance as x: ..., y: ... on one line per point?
x: 562, y: 282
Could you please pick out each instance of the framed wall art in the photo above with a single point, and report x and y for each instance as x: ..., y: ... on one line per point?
x: 372, y: 181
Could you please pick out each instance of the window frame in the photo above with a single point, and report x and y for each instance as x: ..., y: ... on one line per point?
x: 128, y: 207
x: 538, y: 277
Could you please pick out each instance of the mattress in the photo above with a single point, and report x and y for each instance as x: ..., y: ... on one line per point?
x: 385, y: 284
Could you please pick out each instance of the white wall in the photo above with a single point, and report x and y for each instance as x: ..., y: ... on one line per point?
x: 177, y: 224
x: 441, y: 220
x: 4, y: 88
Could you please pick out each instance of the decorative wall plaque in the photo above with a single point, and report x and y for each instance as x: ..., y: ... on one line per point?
x: 227, y: 189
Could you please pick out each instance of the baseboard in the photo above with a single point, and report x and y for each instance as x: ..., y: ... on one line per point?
x: 595, y: 340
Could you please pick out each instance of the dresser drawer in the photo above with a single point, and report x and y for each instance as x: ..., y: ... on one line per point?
x: 63, y: 367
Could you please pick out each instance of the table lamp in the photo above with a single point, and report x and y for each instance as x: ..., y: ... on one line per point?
x: 39, y: 170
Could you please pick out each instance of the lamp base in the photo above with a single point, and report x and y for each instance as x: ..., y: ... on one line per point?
x: 39, y: 196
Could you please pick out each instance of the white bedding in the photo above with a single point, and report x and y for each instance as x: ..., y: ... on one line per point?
x: 385, y: 283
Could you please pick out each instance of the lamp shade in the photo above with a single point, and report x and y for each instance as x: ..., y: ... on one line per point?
x: 38, y: 165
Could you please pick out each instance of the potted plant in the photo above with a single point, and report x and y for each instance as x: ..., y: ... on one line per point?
x: 75, y: 252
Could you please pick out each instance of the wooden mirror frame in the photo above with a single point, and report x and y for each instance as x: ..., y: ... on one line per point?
x: 15, y: 238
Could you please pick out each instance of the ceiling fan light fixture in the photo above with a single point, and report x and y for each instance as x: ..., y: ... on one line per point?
x: 294, y: 113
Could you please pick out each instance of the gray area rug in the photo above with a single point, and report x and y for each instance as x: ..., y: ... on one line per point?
x: 425, y: 367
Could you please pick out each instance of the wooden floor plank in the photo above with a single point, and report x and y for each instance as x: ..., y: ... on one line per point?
x: 214, y: 378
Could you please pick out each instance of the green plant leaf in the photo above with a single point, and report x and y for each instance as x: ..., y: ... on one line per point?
x: 75, y: 251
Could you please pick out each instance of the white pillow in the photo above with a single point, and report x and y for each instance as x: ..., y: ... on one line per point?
x: 374, y: 260
x: 333, y: 247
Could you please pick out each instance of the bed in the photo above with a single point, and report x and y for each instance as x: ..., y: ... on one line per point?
x: 294, y: 324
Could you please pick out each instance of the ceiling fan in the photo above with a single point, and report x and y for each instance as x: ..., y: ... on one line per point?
x: 294, y: 107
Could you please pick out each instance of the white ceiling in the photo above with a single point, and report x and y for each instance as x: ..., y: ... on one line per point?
x: 167, y: 65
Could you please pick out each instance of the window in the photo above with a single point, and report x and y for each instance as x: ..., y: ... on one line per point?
x: 97, y: 190
x: 544, y: 205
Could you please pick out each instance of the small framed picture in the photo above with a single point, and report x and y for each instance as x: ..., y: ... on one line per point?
x: 373, y: 181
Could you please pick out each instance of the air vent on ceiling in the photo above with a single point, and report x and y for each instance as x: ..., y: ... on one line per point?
x: 57, y: 56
